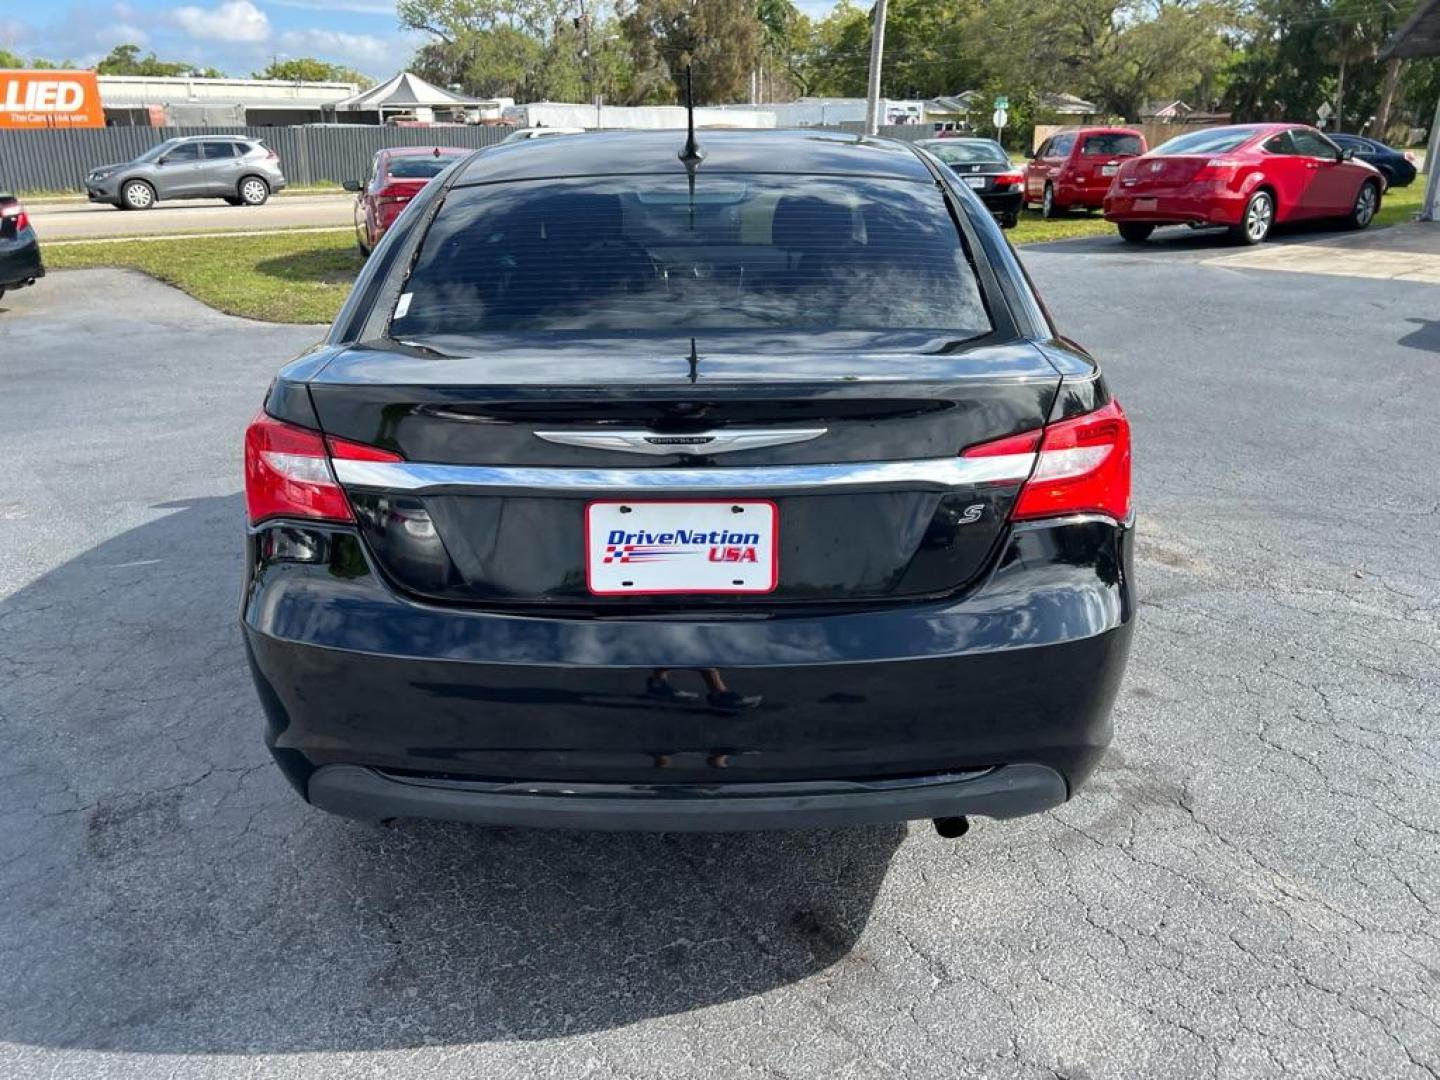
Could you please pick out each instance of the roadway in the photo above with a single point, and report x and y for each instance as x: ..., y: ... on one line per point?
x: 1248, y: 888
x: 82, y: 221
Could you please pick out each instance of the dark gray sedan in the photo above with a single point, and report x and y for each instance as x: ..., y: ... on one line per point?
x: 242, y: 171
x: 985, y: 168
x: 19, y: 248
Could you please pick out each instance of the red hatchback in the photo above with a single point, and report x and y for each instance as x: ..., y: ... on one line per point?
x: 1248, y: 178
x: 1073, y: 167
x: 396, y: 177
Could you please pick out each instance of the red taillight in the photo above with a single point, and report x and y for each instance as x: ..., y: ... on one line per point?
x: 1218, y: 170
x: 271, y: 155
x: 1083, y: 466
x: 16, y: 213
x: 288, y: 474
x: 1009, y: 178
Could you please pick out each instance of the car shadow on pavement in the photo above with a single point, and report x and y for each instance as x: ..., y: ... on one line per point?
x: 321, y: 265
x: 1181, y: 239
x: 166, y: 892
x: 1426, y: 337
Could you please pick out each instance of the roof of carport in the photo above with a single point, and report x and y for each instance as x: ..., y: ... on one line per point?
x: 1420, y: 36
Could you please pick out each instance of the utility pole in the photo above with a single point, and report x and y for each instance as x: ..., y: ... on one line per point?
x: 877, y: 53
x: 582, y: 23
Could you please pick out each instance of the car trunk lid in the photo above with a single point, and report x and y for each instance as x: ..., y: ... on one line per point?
x: 1152, y: 173
x: 508, y: 447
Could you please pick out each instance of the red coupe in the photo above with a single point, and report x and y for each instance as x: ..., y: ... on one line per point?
x: 1074, y: 166
x: 396, y: 176
x: 1248, y: 178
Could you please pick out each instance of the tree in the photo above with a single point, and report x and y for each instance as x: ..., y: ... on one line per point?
x: 527, y: 49
x: 718, y: 39
x: 126, y: 60
x: 784, y: 31
x: 308, y: 69
x: 9, y: 59
x: 834, y: 60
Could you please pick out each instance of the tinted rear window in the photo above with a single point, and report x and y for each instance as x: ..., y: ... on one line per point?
x: 640, y: 254
x: 417, y: 168
x: 1110, y: 145
x: 1209, y: 141
x: 958, y: 153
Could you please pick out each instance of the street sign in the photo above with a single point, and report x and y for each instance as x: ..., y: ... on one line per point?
x: 1001, y: 101
x: 1323, y: 112
x: 999, y: 118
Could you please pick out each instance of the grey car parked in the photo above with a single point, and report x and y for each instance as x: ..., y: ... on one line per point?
x: 240, y: 170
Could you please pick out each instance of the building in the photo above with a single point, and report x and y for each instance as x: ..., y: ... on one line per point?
x: 817, y: 111
x: 1178, y: 112
x: 146, y: 101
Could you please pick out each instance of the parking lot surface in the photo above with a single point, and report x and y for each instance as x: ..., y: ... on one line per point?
x: 83, y: 220
x: 1250, y: 886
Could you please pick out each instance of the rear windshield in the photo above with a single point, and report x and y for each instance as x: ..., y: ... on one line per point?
x: 1210, y: 141
x: 645, y: 254
x: 976, y: 153
x: 416, y: 168
x: 1110, y: 145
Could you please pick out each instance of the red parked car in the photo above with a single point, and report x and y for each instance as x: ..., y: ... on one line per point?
x: 1073, y: 168
x: 396, y: 177
x: 1248, y: 178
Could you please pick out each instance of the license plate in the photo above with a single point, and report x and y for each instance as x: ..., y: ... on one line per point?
x: 1109, y: 170
x: 975, y: 181
x: 1144, y: 204
x: 699, y: 546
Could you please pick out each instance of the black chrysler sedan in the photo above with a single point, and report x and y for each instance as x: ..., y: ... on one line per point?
x: 983, y: 166
x: 20, y: 263
x: 641, y: 485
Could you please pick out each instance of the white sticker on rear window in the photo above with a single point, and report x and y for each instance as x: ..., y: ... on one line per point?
x: 403, y: 306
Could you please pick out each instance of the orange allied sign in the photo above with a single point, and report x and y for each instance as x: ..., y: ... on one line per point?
x: 50, y: 99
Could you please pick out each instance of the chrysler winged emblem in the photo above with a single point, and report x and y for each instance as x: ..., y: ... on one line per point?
x: 698, y: 444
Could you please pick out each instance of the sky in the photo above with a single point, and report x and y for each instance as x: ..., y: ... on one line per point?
x: 236, y: 36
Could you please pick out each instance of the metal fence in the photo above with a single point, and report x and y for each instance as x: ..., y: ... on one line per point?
x: 57, y: 160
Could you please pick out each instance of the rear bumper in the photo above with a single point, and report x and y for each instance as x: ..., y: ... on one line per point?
x: 20, y: 261
x: 1086, y: 197
x: 1005, y: 792
x: 995, y: 704
x: 1004, y: 203
x: 1203, y: 206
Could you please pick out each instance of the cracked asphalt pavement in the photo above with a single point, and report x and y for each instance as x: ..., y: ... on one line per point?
x: 1249, y: 887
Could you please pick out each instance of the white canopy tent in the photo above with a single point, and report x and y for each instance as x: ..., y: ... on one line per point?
x: 406, y: 93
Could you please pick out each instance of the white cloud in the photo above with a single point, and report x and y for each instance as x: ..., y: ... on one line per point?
x: 127, y: 33
x: 328, y: 44
x: 355, y: 7
x: 232, y: 21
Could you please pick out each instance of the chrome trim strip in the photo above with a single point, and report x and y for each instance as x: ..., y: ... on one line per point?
x: 700, y: 443
x: 928, y: 474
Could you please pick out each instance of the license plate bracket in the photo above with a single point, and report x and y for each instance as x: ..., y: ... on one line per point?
x: 647, y: 547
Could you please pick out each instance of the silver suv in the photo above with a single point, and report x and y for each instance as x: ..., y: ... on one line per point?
x: 242, y: 171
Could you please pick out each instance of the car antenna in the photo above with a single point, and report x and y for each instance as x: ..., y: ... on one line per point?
x: 692, y: 155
